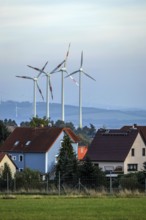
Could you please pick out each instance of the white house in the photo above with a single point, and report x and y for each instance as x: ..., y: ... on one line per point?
x: 118, y: 150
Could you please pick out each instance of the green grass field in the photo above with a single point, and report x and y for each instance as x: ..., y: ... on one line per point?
x: 67, y: 208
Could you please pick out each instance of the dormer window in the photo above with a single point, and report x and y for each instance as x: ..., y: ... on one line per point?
x: 27, y: 143
x: 16, y: 143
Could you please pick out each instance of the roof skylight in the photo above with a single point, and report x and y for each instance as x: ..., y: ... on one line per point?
x: 16, y: 143
x: 27, y: 143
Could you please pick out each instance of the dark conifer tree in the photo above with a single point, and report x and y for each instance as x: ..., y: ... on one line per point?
x: 67, y: 164
x: 91, y: 175
x: 4, y: 133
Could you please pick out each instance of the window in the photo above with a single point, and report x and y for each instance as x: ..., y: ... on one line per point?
x: 56, y: 159
x: 119, y: 169
x: 20, y: 169
x: 108, y: 169
x: 143, y: 151
x: 16, y: 143
x: 10, y: 155
x: 132, y: 167
x: 27, y: 143
x: 20, y: 158
x: 13, y: 157
x: 132, y: 152
x: 61, y: 142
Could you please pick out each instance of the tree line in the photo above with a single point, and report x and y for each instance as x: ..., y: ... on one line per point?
x: 85, y: 134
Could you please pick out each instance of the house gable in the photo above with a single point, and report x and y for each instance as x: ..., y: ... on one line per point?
x: 4, y: 158
x: 135, y: 158
x: 111, y: 145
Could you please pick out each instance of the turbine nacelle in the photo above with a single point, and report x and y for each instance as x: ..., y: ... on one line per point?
x: 63, y: 69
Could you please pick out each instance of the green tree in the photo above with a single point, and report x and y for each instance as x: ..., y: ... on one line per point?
x: 27, y: 179
x: 4, y: 133
x: 67, y: 164
x: 92, y: 130
x: 10, y: 122
x: 25, y: 124
x: 59, y: 124
x: 91, y: 175
x: 39, y: 122
x: 6, y: 177
x: 70, y: 125
x: 129, y: 181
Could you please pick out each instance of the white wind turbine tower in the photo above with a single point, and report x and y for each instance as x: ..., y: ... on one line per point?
x: 80, y: 71
x: 35, y: 79
x: 48, y: 85
x: 64, y: 70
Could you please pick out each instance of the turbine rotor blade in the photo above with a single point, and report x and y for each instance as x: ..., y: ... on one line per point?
x: 67, y: 55
x: 72, y: 79
x: 81, y: 59
x: 35, y: 68
x: 38, y: 69
x: 45, y: 65
x: 89, y: 76
x: 25, y: 77
x: 40, y: 91
x: 42, y: 70
x: 54, y: 70
x: 72, y: 73
x: 50, y: 86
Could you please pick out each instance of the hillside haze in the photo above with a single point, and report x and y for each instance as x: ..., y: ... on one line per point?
x: 23, y: 111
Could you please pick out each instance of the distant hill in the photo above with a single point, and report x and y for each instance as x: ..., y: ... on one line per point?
x: 22, y: 111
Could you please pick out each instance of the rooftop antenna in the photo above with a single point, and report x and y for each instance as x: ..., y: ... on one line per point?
x: 80, y: 71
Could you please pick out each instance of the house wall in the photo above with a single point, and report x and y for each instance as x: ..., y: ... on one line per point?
x: 53, y: 153
x: 35, y: 161
x: 9, y: 162
x: 16, y: 159
x: 107, y: 166
x: 138, y: 158
x: 75, y: 148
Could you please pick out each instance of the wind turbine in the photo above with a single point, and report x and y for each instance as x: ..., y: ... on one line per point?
x: 80, y: 71
x: 48, y: 85
x: 35, y: 79
x: 64, y: 70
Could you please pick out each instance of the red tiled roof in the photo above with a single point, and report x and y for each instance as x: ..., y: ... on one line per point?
x: 82, y: 150
x: 41, y: 139
x: 111, y: 145
x: 72, y: 135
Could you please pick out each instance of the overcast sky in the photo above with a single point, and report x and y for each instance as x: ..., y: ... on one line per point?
x: 111, y: 33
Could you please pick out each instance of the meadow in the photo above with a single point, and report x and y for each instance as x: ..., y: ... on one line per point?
x: 71, y: 208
